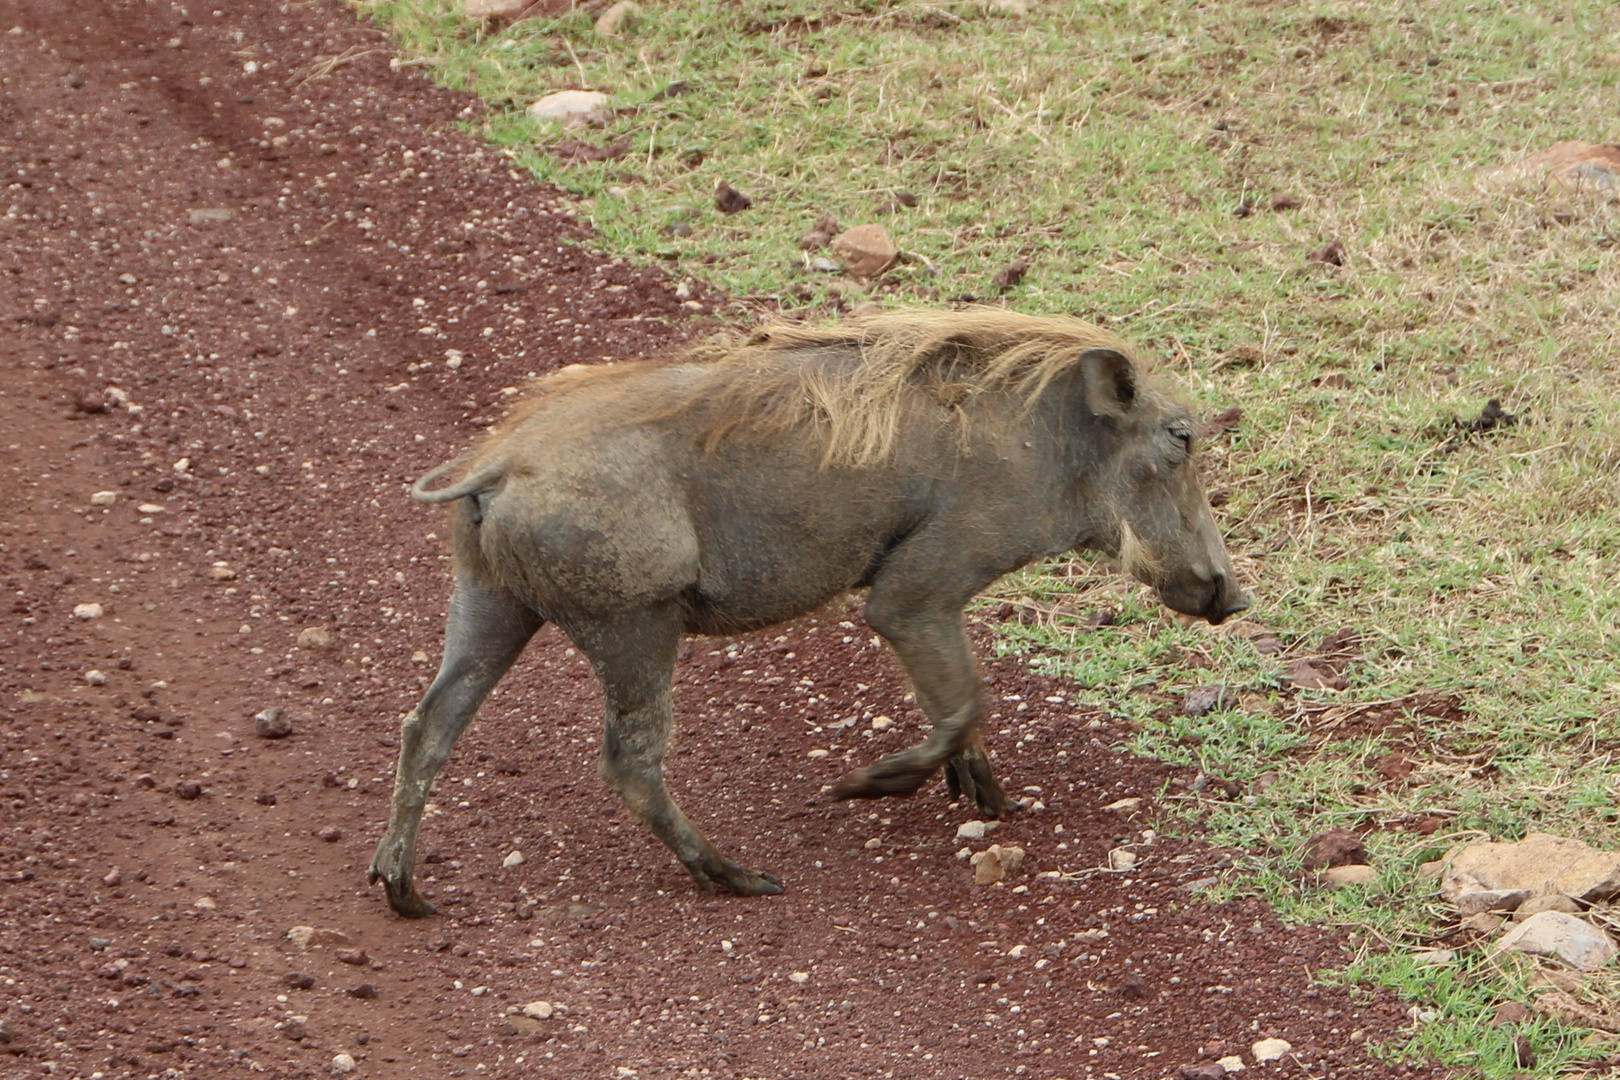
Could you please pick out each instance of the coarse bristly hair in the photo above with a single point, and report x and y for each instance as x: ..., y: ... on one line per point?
x: 855, y: 381
x: 860, y: 377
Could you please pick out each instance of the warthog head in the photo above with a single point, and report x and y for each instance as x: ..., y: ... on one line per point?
x: 1157, y: 521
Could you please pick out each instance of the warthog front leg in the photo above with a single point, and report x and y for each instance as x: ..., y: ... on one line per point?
x: 486, y: 631
x: 634, y: 659
x: 934, y: 650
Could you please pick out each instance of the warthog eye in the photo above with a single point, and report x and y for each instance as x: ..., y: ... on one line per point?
x: 1185, y: 435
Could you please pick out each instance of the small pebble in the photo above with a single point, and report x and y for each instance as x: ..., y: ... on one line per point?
x: 1270, y: 1050
x: 330, y: 834
x: 87, y: 612
x: 314, y: 638
x: 104, y: 498
x: 514, y: 859
x: 188, y: 790
x: 538, y: 1010
x: 365, y: 991
x: 113, y: 878
x: 1231, y: 1063
x: 800, y: 977
x: 343, y: 1063
x: 882, y: 723
x: 971, y: 830
x: 95, y: 678
x: 356, y: 957
x: 298, y: 980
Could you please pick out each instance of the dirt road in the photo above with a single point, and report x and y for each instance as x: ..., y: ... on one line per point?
x: 252, y: 281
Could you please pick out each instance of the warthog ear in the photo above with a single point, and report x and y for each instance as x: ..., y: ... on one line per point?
x: 1110, y: 381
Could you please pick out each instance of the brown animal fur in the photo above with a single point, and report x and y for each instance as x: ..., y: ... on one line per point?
x: 897, y: 361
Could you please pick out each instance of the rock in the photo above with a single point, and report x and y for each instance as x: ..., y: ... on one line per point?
x: 1310, y: 675
x: 821, y: 234
x: 882, y: 723
x: 209, y: 216
x: 1203, y: 700
x: 799, y: 977
x: 1331, y: 253
x: 265, y: 798
x: 299, y: 980
x: 343, y: 1063
x: 538, y: 1010
x: 1572, y: 165
x: 1121, y: 859
x: 1540, y: 863
x: 1483, y: 923
x: 294, y: 1030
x: 1509, y: 1012
x: 1553, y: 933
x: 112, y: 878
x: 314, y: 639
x: 356, y: 957
x: 86, y: 612
x: 221, y: 572
x: 95, y: 678
x: 616, y: 18
x: 6, y: 1034
x: 971, y: 830
x: 1284, y: 202
x: 866, y: 250
x: 823, y: 265
x: 188, y: 790
x: 494, y: 9
x: 365, y: 991
x: 309, y: 937
x: 1433, y: 957
x: 996, y: 863
x: 728, y: 199
x: 1134, y: 988
x: 205, y: 903
x: 1124, y: 806
x: 420, y: 657
x: 514, y: 859
x: 104, y: 498
x: 1010, y: 275
x: 1336, y: 847
x: 1203, y: 1070
x: 571, y: 108
x: 150, y: 508
x: 1231, y: 1063
x: 1270, y: 1050
x: 1483, y: 900
x: 1535, y: 905
x: 272, y: 723
x: 1354, y: 874
x: 330, y: 834
x: 521, y: 1025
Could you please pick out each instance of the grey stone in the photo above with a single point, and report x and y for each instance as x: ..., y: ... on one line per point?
x: 1204, y: 700
x: 1574, y: 941
x: 272, y: 723
x: 571, y: 107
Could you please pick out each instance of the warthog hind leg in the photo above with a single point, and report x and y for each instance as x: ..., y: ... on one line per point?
x: 934, y: 650
x: 634, y: 658
x: 486, y: 631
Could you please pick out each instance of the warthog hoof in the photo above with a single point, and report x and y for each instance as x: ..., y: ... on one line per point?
x: 402, y: 897
x: 968, y: 774
x: 718, y: 874
x: 885, y: 776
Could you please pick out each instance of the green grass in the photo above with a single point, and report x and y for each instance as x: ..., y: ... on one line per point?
x: 1111, y: 145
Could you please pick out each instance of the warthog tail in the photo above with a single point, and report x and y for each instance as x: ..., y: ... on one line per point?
x: 482, y: 480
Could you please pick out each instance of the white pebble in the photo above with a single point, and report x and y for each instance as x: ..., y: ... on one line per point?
x: 343, y: 1063
x: 970, y: 830
x: 104, y: 498
x: 95, y: 678
x: 882, y: 723
x: 150, y: 508
x: 514, y: 859
x: 538, y: 1010
x: 88, y: 611
x: 1270, y: 1049
x: 1231, y: 1063
x: 800, y: 977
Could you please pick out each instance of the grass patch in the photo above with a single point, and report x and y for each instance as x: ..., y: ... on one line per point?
x: 1165, y: 168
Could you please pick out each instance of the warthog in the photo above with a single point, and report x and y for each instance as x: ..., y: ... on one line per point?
x: 921, y: 455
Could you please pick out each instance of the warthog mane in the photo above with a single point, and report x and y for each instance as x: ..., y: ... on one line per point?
x: 860, y: 382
